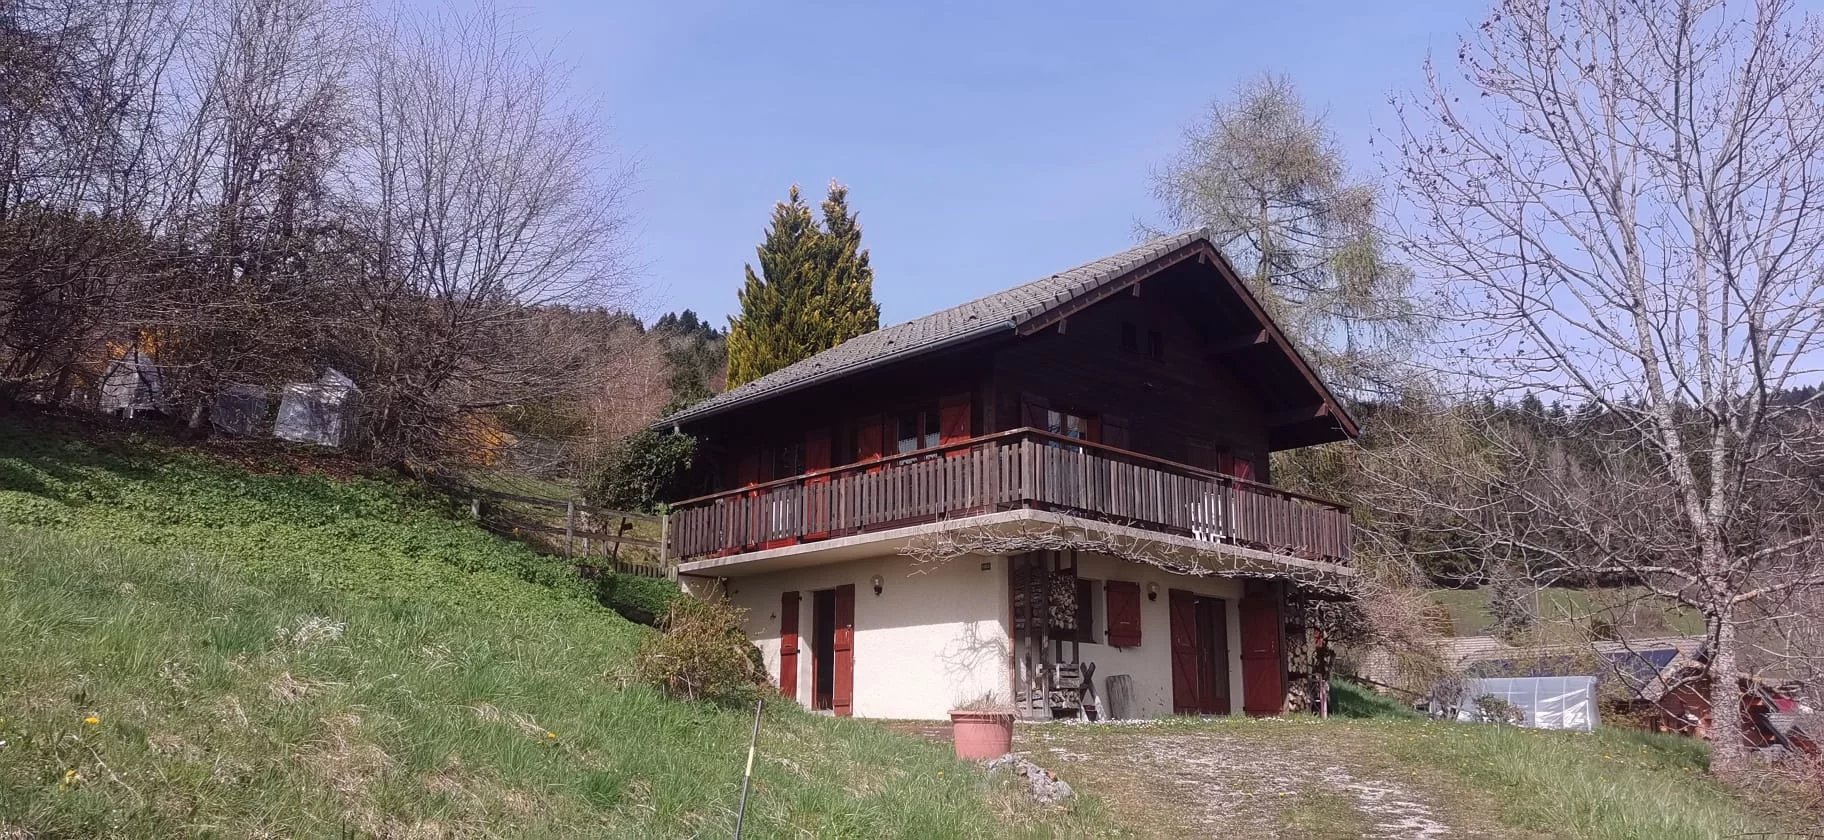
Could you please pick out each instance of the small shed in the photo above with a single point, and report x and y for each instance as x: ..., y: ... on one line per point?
x: 320, y: 412
x: 132, y: 385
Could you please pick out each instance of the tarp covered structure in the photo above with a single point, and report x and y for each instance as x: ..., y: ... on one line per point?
x: 320, y: 412
x: 132, y: 385
x: 241, y: 410
x: 1547, y: 702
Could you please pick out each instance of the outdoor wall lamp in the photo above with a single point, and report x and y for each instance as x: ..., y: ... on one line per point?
x: 1152, y: 591
x: 876, y: 581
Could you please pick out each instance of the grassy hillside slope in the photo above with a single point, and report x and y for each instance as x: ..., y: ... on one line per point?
x: 188, y: 649
x: 1630, y: 610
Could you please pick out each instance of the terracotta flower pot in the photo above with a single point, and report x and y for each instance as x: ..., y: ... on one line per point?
x: 980, y: 736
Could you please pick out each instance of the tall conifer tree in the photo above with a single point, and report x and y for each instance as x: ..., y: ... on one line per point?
x: 848, y: 279
x: 814, y: 289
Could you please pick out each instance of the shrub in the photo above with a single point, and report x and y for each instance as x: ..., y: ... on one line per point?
x: 701, y: 654
x: 638, y: 599
x: 643, y: 469
x: 1492, y: 709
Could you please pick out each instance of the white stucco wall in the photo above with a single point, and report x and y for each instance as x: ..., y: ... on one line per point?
x: 929, y: 641
x: 1150, y: 664
x: 933, y: 639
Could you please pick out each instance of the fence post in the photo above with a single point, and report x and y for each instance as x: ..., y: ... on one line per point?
x: 665, y: 562
x: 569, y: 527
x: 475, y: 508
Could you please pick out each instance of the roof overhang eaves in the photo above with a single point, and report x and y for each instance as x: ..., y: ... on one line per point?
x: 1337, y: 410
x: 945, y: 343
x: 1200, y: 244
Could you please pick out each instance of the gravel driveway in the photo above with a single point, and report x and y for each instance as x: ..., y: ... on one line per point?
x: 1256, y: 779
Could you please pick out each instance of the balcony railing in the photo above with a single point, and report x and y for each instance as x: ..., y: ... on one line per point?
x: 1023, y: 468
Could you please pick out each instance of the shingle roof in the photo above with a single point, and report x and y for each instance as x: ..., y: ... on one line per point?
x: 1000, y: 311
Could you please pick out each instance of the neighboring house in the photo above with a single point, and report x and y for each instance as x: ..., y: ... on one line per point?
x: 1661, y: 682
x: 992, y: 499
x: 1561, y: 686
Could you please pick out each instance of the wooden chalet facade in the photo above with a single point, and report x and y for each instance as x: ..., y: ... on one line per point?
x: 1135, y: 398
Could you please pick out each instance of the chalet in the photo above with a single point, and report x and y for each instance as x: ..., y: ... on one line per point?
x: 1060, y: 486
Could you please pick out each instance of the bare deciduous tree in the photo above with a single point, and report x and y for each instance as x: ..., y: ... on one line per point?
x: 1623, y: 203
x: 489, y: 197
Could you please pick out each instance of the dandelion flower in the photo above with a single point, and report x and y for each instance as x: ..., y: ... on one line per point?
x: 92, y: 720
x: 550, y: 736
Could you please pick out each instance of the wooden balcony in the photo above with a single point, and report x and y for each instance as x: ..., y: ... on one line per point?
x: 1023, y: 468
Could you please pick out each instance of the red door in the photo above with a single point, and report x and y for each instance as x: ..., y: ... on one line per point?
x: 1185, y: 651
x: 842, y: 694
x: 1200, y: 650
x: 1263, y: 676
x: 788, y: 645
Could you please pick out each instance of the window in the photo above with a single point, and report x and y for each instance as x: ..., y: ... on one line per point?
x: 1068, y: 425
x: 788, y: 460
x: 1130, y: 338
x: 1085, y: 629
x: 1155, y: 345
x: 917, y: 430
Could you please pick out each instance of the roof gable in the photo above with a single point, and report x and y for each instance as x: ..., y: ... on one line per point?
x: 1023, y: 309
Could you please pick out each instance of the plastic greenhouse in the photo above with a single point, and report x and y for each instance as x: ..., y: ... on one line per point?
x: 241, y: 410
x: 320, y: 412
x: 1547, y: 702
x: 132, y: 386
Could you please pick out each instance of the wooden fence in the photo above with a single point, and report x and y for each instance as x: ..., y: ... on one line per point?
x: 595, y: 538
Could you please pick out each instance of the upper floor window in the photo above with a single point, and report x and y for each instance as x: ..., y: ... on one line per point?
x: 1065, y: 424
x: 917, y: 430
x: 1155, y: 345
x: 788, y: 460
x: 1130, y: 337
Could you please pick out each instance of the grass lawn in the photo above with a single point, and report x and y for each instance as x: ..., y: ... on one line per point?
x: 192, y: 650
x: 1631, y: 610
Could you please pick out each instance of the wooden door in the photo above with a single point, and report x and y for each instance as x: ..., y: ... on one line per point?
x: 788, y: 645
x: 1263, y: 676
x: 817, y: 488
x: 1213, y: 656
x: 842, y: 694
x: 753, y: 518
x: 1186, y: 678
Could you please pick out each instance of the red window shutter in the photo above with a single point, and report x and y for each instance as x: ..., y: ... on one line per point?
x: 842, y: 692
x: 1242, y: 467
x: 954, y: 418
x: 1263, y: 676
x: 1114, y: 431
x: 870, y: 436
x: 788, y: 645
x: 1122, y: 606
x: 1186, y: 699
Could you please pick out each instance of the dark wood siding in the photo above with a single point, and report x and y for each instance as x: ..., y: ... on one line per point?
x: 1191, y: 405
x: 1167, y: 408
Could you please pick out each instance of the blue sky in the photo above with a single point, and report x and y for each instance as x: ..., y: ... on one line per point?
x: 983, y: 144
